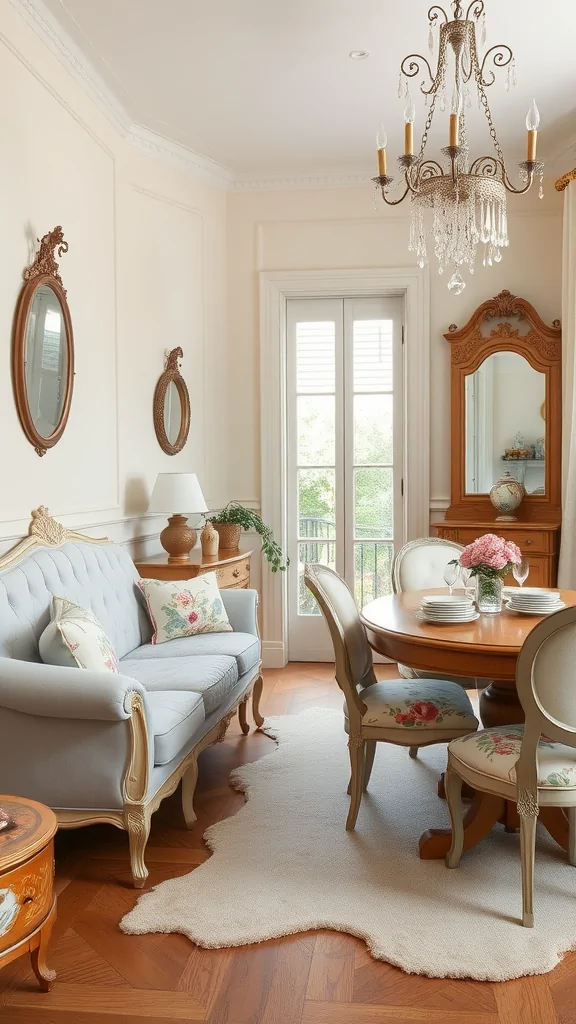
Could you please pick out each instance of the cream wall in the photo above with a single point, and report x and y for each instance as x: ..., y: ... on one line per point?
x: 145, y: 272
x: 340, y: 229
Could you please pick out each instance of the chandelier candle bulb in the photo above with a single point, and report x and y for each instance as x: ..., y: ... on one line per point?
x: 409, y: 118
x: 532, y: 123
x: 381, y: 141
x: 454, y: 130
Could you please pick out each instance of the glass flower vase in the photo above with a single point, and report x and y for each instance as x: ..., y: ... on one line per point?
x: 489, y: 593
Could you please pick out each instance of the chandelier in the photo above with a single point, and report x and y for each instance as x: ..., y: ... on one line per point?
x: 462, y: 203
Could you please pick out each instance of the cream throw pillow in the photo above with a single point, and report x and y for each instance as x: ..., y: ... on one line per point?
x: 75, y: 638
x: 185, y: 607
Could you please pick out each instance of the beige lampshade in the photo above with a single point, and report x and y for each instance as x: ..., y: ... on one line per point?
x: 177, y: 492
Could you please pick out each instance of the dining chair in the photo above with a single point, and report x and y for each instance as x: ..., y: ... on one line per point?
x: 420, y: 565
x: 533, y: 764
x: 408, y: 713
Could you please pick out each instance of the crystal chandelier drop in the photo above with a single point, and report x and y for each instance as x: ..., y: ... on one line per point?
x: 462, y: 203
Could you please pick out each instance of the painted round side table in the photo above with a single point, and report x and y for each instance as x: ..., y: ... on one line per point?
x: 27, y: 902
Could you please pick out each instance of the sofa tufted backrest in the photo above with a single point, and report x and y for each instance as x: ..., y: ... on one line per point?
x: 99, y: 577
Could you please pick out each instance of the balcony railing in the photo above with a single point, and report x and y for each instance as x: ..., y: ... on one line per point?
x: 372, y: 559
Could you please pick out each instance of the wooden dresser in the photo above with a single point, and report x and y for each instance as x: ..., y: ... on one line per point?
x: 232, y: 568
x: 27, y: 902
x: 506, y: 384
x: 539, y: 542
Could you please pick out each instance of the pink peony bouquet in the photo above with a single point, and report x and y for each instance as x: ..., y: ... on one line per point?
x: 490, y: 556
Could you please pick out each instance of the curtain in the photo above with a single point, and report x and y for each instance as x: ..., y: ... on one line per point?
x: 567, y: 568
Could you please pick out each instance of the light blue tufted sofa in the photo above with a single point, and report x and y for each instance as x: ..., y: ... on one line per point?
x: 101, y: 747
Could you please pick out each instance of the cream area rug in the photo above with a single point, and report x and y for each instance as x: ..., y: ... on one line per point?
x: 284, y: 864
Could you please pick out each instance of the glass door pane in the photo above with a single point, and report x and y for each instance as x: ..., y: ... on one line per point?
x: 315, y: 467
x: 373, y: 390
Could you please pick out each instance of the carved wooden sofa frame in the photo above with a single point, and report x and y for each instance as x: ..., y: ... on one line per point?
x: 135, y: 816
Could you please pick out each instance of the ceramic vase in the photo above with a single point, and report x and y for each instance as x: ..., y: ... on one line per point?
x: 506, y: 495
x: 210, y: 540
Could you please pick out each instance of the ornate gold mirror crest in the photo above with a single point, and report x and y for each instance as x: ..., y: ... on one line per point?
x: 43, y: 348
x: 171, y: 408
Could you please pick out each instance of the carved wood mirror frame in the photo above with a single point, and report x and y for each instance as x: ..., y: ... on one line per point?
x: 171, y: 375
x: 42, y: 272
x: 519, y: 329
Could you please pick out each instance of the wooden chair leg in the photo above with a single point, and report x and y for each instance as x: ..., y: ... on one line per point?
x: 453, y: 788
x: 369, y: 752
x: 572, y: 836
x: 413, y: 751
x: 527, y: 853
x: 256, y: 695
x: 356, y: 748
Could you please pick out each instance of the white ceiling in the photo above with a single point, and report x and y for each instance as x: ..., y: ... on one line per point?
x: 265, y: 87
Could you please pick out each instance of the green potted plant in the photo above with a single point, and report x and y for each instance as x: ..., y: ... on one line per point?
x: 234, y: 518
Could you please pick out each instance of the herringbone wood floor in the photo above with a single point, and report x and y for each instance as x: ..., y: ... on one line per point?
x: 105, y: 977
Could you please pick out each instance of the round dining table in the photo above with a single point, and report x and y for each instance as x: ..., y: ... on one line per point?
x: 485, y: 649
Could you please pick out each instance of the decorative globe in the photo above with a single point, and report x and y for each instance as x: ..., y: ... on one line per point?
x: 506, y: 495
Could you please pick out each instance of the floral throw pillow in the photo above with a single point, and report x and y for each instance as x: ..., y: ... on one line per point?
x: 75, y: 638
x: 185, y: 607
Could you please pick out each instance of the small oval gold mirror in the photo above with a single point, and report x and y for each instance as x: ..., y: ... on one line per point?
x: 43, y: 348
x: 172, y: 406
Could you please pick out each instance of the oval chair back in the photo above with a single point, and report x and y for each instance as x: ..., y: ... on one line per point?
x: 352, y: 652
x: 420, y: 563
x: 545, y: 680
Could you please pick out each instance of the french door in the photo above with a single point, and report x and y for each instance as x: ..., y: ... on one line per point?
x: 344, y: 453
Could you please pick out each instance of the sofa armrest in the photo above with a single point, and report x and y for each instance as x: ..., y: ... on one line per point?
x: 51, y: 691
x: 242, y: 610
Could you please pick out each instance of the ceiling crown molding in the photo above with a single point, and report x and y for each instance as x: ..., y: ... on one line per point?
x: 335, y: 178
x: 176, y: 155
x: 59, y: 42
x: 51, y: 32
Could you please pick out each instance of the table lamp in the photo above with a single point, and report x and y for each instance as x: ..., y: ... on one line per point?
x: 177, y: 491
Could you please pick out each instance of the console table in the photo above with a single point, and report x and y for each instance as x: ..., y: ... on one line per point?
x: 232, y: 568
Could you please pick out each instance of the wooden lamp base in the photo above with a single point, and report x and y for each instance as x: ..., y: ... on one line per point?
x: 178, y: 539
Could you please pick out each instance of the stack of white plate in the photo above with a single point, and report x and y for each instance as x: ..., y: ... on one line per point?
x: 533, y: 600
x: 448, y: 610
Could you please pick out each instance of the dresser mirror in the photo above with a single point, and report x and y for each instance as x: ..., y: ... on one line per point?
x: 505, y: 430
x: 43, y: 348
x: 171, y: 407
x: 505, y: 409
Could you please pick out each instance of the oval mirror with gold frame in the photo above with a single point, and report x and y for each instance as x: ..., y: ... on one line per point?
x: 43, y: 348
x: 171, y: 408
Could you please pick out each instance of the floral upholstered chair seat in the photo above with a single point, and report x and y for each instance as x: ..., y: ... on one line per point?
x: 494, y: 752
x: 434, y: 706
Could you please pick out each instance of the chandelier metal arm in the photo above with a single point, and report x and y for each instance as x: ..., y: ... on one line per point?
x: 433, y: 16
x: 478, y: 6
x: 412, y: 69
x: 530, y: 167
x: 488, y: 166
x: 383, y: 181
x: 502, y: 57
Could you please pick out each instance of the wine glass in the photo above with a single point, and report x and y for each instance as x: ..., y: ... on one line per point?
x: 465, y: 576
x: 451, y: 573
x: 520, y: 571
